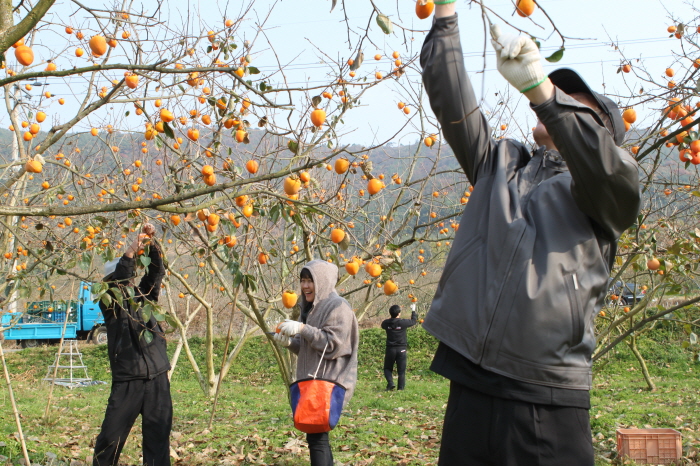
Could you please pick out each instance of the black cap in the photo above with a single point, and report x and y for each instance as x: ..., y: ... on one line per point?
x: 570, y: 82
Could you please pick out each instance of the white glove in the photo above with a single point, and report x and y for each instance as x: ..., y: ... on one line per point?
x: 290, y: 327
x: 518, y: 60
x: 282, y: 339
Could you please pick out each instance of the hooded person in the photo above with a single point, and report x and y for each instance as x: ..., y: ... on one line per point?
x: 139, y: 364
x: 325, y: 333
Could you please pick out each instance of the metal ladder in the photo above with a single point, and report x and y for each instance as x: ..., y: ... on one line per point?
x: 65, y: 374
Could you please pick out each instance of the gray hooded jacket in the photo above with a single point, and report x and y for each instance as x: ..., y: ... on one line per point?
x: 330, y: 322
x: 528, y: 268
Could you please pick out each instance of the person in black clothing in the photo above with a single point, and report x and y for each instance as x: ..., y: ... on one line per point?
x: 137, y: 359
x: 396, y: 345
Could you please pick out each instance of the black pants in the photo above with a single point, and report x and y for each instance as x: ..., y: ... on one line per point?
x: 320, y: 449
x: 149, y: 398
x: 483, y: 430
x: 398, y: 356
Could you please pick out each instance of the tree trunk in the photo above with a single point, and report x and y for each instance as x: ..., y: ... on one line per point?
x: 642, y: 363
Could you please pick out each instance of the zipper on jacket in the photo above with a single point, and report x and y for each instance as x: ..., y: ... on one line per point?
x: 509, y: 272
x: 575, y: 308
x: 532, y: 186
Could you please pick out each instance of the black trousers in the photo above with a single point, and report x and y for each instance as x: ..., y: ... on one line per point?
x: 482, y: 430
x: 149, y: 398
x: 320, y: 449
x: 396, y: 356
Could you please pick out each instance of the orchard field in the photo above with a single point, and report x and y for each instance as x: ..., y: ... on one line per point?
x: 253, y: 422
x: 257, y: 137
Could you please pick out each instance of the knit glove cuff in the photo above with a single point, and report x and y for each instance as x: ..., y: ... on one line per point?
x: 290, y: 328
x: 518, y: 60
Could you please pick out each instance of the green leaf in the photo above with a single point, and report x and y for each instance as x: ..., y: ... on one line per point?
x: 358, y: 61
x: 385, y: 23
x: 556, y: 56
x: 85, y: 261
x: 275, y: 213
x: 285, y: 269
x: 251, y: 283
x: 145, y: 260
x: 147, y: 336
x: 168, y: 130
x: 159, y: 142
x: 253, y: 70
x: 147, y: 312
x: 106, y: 300
x: 237, y: 278
x: 128, y: 112
x: 537, y: 42
x: 171, y: 321
x: 24, y: 292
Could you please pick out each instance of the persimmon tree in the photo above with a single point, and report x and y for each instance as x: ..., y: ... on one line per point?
x: 659, y: 254
x: 246, y: 176
x: 198, y: 129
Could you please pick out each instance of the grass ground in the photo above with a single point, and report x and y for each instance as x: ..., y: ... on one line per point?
x: 253, y: 425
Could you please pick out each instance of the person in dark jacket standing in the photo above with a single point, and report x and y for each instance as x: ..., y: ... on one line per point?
x: 396, y: 345
x: 137, y: 358
x: 527, y: 273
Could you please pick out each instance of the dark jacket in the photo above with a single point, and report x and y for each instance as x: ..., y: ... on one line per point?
x: 130, y: 356
x: 528, y: 268
x: 396, y: 330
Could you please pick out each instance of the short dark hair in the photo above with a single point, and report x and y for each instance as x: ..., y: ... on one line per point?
x: 306, y: 273
x: 394, y: 310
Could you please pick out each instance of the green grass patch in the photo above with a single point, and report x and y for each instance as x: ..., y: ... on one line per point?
x: 253, y: 423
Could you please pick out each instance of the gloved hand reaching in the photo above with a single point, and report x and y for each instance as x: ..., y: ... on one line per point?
x: 282, y: 339
x: 518, y: 60
x: 290, y: 328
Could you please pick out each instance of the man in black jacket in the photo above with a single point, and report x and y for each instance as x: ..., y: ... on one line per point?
x: 396, y: 345
x: 137, y: 358
x: 527, y: 273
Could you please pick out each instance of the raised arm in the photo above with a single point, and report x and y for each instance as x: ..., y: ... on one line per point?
x: 605, y: 181
x: 149, y: 287
x: 451, y: 94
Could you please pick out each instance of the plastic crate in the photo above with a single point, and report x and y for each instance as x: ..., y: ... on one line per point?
x: 650, y: 446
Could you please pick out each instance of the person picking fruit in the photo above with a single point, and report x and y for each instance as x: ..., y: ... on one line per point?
x: 397, y: 345
x: 139, y: 364
x: 528, y: 268
x: 326, y: 332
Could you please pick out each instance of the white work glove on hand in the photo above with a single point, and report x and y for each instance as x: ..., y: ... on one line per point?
x: 290, y: 327
x: 518, y: 59
x: 282, y: 339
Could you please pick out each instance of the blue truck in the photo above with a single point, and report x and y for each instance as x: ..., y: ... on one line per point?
x: 43, y: 321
